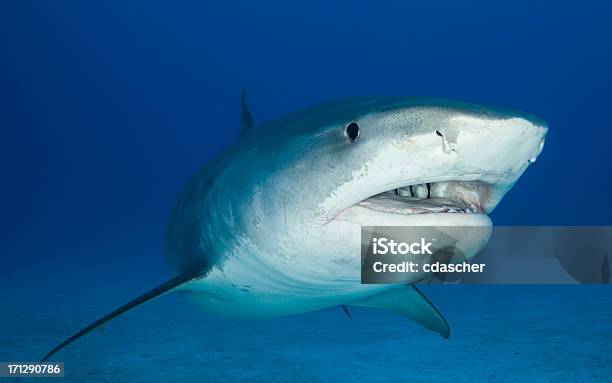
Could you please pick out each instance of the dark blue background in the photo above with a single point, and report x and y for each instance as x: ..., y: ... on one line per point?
x: 106, y: 109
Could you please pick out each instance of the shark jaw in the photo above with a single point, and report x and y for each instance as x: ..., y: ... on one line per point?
x: 428, y: 198
x: 429, y: 203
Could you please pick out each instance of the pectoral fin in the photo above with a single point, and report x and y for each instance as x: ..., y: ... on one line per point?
x: 409, y: 301
x: 144, y: 298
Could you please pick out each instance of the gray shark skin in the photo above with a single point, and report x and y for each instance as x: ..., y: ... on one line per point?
x: 271, y: 225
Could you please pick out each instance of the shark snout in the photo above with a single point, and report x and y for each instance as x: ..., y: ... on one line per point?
x: 541, y: 132
x: 505, y: 145
x: 530, y: 134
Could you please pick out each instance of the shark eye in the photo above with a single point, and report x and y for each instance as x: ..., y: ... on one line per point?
x: 352, y: 131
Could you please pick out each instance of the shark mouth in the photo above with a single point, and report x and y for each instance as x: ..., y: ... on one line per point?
x: 462, y: 197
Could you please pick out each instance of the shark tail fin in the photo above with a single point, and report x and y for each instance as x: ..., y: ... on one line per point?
x: 409, y: 301
x: 146, y: 297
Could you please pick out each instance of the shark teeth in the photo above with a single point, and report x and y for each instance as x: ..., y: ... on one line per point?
x: 420, y: 191
x: 404, y: 192
x: 438, y: 197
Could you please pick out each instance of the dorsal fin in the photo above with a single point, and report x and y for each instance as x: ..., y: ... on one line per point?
x: 146, y: 297
x: 246, y: 119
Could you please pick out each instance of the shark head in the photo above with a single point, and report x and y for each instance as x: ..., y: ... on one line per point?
x: 296, y: 190
x: 427, y: 161
x: 388, y: 161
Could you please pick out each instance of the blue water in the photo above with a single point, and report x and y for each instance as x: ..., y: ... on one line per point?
x: 499, y: 334
x: 106, y: 109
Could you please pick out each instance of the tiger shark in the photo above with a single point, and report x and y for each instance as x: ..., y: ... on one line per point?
x: 271, y: 225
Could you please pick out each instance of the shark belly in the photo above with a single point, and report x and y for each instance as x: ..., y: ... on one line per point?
x: 248, y: 290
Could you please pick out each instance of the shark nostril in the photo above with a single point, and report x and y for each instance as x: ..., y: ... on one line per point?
x: 447, y: 146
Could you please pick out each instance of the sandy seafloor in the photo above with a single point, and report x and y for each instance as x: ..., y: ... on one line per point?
x: 499, y: 334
